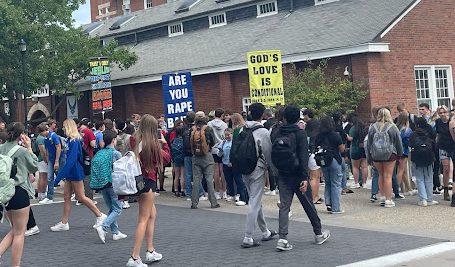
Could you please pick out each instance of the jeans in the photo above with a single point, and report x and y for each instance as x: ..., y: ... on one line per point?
x: 333, y: 176
x: 288, y: 187
x: 255, y: 183
x: 230, y: 177
x: 189, y: 177
x: 115, y: 209
x: 424, y: 180
x: 50, y: 177
x: 395, y: 185
x: 344, y: 167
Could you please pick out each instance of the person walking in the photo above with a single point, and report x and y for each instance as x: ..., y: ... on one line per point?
x: 42, y: 160
x: 153, y: 154
x: 73, y: 175
x: 292, y: 165
x: 18, y: 206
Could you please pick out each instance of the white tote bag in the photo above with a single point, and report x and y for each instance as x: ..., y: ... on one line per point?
x: 124, y: 172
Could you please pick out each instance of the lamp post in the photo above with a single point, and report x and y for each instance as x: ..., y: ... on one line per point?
x: 23, y: 50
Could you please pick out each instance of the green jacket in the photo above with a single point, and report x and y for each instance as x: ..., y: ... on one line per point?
x: 27, y: 162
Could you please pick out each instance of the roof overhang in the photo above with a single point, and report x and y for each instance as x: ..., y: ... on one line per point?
x: 286, y: 58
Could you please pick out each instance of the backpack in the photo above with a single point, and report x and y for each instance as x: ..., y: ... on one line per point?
x: 8, y: 171
x: 177, y: 150
x: 101, y: 169
x: 324, y: 155
x: 244, y: 155
x: 284, y: 152
x: 187, y: 140
x: 422, y: 153
x: 35, y: 147
x: 123, y: 144
x: 381, y: 145
x: 199, y: 145
x: 86, y: 160
x: 124, y: 172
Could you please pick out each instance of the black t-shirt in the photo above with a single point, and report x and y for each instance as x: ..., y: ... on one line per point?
x: 330, y: 141
x: 445, y: 140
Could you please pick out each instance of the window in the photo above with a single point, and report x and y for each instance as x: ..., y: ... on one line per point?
x: 175, y: 29
x: 148, y: 3
x: 434, y: 85
x: 246, y: 102
x: 217, y: 20
x: 100, y: 12
x: 106, y: 10
x: 321, y: 2
x: 267, y: 9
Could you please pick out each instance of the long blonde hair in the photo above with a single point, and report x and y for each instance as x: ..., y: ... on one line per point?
x: 383, y: 117
x: 146, y: 136
x: 237, y: 120
x: 71, y: 129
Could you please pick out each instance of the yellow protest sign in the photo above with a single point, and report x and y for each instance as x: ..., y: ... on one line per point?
x: 266, y: 77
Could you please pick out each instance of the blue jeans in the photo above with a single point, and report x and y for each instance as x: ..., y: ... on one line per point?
x: 50, y: 176
x: 424, y: 180
x: 375, y: 181
x: 230, y: 177
x: 188, y: 162
x: 115, y: 209
x: 344, y: 167
x: 333, y: 176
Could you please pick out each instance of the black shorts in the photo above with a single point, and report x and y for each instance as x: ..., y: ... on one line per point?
x: 358, y: 156
x: 148, y: 185
x: 217, y: 159
x: 20, y: 200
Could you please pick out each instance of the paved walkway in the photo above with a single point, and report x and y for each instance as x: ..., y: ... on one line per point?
x: 201, y: 237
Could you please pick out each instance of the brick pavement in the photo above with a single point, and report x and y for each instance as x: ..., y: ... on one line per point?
x: 199, y: 237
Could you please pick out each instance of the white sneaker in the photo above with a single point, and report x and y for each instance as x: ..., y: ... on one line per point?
x: 152, y: 256
x: 46, y: 201
x: 203, y: 198
x: 99, y: 220
x: 217, y: 195
x: 290, y: 214
x: 94, y: 202
x: 432, y: 203
x: 126, y: 205
x: 119, y: 236
x: 59, y: 227
x: 135, y: 263
x: 101, y: 233
x: 78, y: 203
x: 237, y: 197
x: 422, y: 203
x: 270, y: 193
x: 240, y: 203
x: 355, y: 186
x: 229, y: 198
x: 225, y: 195
x: 389, y: 204
x: 73, y: 197
x: 32, y: 231
x: 157, y: 194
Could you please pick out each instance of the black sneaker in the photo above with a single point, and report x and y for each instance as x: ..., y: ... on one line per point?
x: 329, y: 208
x: 216, y: 206
x: 399, y: 196
x: 373, y: 198
x: 270, y: 237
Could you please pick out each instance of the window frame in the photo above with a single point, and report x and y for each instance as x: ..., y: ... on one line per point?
x: 258, y: 9
x: 146, y: 4
x: 170, y: 34
x: 323, y: 2
x: 432, y: 84
x: 246, y: 103
x: 211, y: 25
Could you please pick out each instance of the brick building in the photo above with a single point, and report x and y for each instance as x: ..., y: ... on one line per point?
x: 105, y: 9
x: 387, y: 43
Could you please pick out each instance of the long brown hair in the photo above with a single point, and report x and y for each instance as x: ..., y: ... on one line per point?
x: 151, y: 156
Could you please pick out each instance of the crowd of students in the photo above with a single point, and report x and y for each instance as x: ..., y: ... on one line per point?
x: 232, y: 156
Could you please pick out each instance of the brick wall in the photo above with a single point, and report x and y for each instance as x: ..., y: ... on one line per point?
x: 423, y: 37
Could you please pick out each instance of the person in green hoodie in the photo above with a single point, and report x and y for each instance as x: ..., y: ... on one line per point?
x: 19, y: 206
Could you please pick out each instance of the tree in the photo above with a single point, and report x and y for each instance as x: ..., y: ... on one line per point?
x: 57, y: 53
x: 318, y: 90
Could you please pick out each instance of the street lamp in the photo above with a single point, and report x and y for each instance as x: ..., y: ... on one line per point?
x: 23, y: 50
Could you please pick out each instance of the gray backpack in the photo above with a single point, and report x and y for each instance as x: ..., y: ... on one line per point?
x: 381, y: 145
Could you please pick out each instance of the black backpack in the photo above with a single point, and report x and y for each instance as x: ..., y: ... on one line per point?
x: 284, y: 152
x: 422, y: 153
x: 324, y: 155
x: 244, y: 156
x: 186, y: 140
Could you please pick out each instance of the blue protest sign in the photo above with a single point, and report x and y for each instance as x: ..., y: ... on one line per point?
x: 178, y: 96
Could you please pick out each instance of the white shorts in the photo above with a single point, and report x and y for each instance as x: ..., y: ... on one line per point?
x: 42, y: 166
x: 312, y: 164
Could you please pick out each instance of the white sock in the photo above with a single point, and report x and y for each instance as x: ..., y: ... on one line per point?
x: 248, y: 240
x: 267, y: 233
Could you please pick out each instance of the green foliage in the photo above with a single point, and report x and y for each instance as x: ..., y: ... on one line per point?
x: 57, y: 53
x: 324, y: 93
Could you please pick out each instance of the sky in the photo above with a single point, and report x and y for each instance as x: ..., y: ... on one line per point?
x: 82, y: 15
